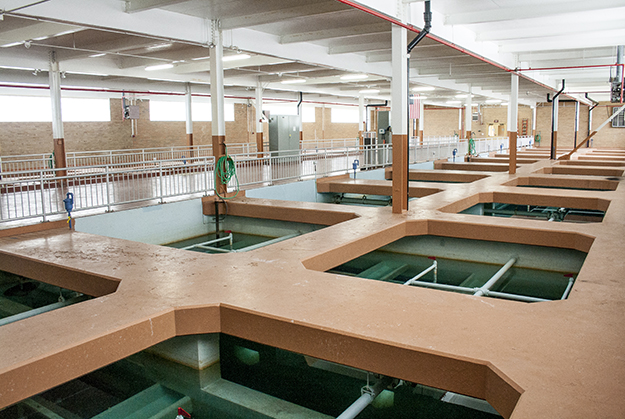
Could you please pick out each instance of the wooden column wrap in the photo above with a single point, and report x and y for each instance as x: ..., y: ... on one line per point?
x: 512, y: 146
x: 400, y: 173
x: 190, y: 144
x: 555, y: 144
x: 259, y: 142
x: 60, y: 161
x: 219, y: 150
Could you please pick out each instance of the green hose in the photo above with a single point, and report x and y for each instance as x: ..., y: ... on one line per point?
x: 225, y: 169
x: 472, y: 151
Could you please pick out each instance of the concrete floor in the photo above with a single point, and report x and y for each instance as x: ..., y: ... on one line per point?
x: 560, y: 359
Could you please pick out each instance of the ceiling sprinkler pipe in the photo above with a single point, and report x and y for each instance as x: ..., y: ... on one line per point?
x: 595, y: 103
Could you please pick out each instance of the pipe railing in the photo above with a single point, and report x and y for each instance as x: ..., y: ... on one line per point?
x: 468, y: 290
x: 569, y: 286
x: 38, y: 192
x: 434, y: 267
x: 484, y: 289
x: 227, y: 238
x: 367, y: 397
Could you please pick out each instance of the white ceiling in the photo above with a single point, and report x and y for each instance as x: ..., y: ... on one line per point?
x: 472, y: 45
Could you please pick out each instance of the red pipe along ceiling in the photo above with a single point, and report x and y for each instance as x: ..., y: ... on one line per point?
x: 440, y: 40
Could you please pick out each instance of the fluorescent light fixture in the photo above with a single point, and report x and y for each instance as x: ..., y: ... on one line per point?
x: 463, y: 96
x: 354, y: 77
x: 97, y: 55
x: 6, y: 67
x: 200, y: 58
x: 293, y: 81
x: 160, y: 46
x: 87, y: 74
x: 453, y: 102
x: 504, y: 104
x: 67, y: 32
x: 12, y: 44
x: 236, y: 57
x: 492, y: 101
x: 423, y: 89
x: 166, y: 80
x: 370, y: 91
x: 159, y: 67
x: 474, y: 105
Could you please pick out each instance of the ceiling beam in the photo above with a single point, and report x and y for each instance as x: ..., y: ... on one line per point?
x: 341, y: 32
x: 581, y: 54
x: 580, y: 40
x: 133, y: 6
x: 38, y: 30
x: 545, y: 31
x: 347, y: 49
x: 273, y: 16
x: 525, y: 12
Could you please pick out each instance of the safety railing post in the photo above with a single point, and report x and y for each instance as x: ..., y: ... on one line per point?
x: 160, y: 177
x: 43, y: 201
x: 108, y: 191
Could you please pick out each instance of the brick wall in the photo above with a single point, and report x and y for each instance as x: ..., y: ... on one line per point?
x: 36, y: 137
x: 608, y: 137
x: 566, y: 124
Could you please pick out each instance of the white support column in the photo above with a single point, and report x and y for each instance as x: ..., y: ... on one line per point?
x: 362, y: 118
x: 189, y: 114
x: 589, y: 125
x: 534, y: 113
x: 513, y: 117
x: 217, y: 84
x: 468, y: 115
x: 460, y: 135
x: 399, y: 118
x: 217, y: 101
x: 576, y: 133
x: 421, y: 121
x: 554, y: 125
x: 58, y: 135
x: 259, y: 117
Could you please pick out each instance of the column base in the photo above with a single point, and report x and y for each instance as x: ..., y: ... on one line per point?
x: 60, y: 161
x: 512, y: 152
x: 400, y: 173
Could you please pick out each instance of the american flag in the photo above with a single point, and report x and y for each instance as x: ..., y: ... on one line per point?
x: 415, y: 107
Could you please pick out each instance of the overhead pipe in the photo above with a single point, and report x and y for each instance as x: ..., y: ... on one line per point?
x: 368, y: 395
x: 590, y: 109
x: 554, y: 104
x: 483, y: 290
x: 620, y: 71
x: 427, y: 17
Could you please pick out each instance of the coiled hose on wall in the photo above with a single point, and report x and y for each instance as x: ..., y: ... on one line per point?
x: 225, y: 169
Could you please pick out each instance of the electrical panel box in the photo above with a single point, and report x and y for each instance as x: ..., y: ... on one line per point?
x: 284, y: 133
x: 384, y: 122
